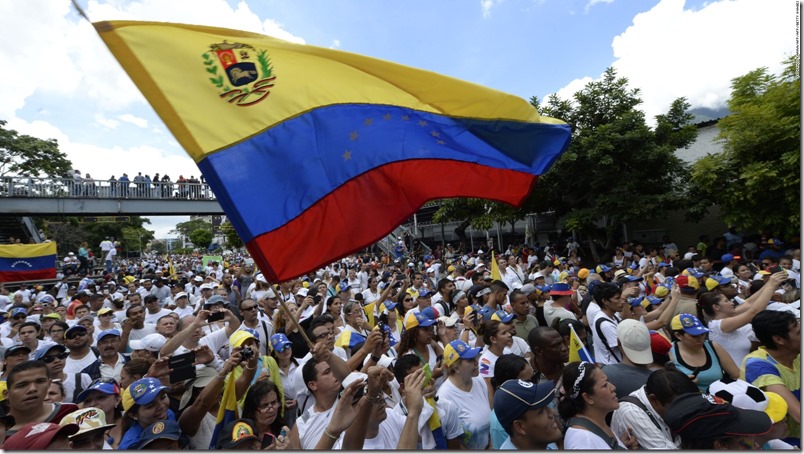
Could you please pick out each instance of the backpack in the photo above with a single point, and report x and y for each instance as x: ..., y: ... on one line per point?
x: 592, y: 427
x: 602, y: 337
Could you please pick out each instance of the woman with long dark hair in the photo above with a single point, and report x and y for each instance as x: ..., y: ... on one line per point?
x: 586, y: 400
x: 262, y: 406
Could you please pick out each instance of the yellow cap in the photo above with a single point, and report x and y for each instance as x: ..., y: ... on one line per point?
x: 239, y: 337
x: 777, y: 407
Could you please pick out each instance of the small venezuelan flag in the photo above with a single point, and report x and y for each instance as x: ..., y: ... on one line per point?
x: 25, y: 262
x: 577, y: 350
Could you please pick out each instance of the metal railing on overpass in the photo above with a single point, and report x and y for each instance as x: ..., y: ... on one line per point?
x: 33, y: 187
x: 26, y: 196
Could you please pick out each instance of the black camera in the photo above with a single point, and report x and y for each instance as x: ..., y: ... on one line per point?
x: 246, y: 353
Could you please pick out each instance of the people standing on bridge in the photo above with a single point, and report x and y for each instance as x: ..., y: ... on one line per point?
x: 147, y: 185
x: 77, y: 182
x: 124, y: 182
x: 167, y: 188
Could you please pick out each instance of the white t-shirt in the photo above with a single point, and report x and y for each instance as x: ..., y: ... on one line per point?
x: 69, y: 385
x: 487, y: 362
x: 737, y: 342
x: 73, y: 366
x: 580, y: 439
x: 311, y: 426
x: 388, y: 436
x: 609, y: 329
x: 473, y: 410
x: 151, y: 319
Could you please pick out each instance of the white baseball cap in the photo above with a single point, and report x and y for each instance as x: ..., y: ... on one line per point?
x: 634, y: 338
x: 152, y: 342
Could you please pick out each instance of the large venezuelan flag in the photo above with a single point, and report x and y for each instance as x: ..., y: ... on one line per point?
x: 25, y: 262
x: 315, y: 153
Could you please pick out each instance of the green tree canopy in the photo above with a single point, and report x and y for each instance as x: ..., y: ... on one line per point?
x: 756, y: 178
x: 233, y: 240
x: 21, y: 154
x: 188, y: 227
x: 201, y: 238
x: 70, y: 231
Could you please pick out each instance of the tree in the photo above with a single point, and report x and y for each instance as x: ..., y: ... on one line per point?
x: 159, y: 247
x: 756, y: 178
x: 25, y: 155
x: 201, y: 238
x: 188, y: 227
x: 70, y: 231
x: 617, y: 169
x: 233, y: 240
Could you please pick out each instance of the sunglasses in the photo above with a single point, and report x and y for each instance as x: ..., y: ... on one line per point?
x: 51, y: 358
x: 74, y: 335
x: 250, y: 308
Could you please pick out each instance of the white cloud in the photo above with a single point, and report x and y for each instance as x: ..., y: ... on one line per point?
x: 592, y: 3
x: 106, y: 122
x: 670, y: 51
x: 134, y: 120
x: 487, y: 5
x: 336, y: 44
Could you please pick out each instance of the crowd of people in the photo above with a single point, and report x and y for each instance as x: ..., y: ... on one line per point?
x: 650, y: 350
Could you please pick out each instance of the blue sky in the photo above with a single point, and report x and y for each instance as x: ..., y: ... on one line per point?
x: 59, y: 81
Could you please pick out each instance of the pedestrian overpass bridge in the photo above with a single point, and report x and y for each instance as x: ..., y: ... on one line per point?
x: 26, y: 196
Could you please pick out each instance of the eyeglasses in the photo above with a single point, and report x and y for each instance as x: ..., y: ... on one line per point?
x: 49, y: 359
x: 250, y: 308
x: 325, y: 334
x: 262, y: 408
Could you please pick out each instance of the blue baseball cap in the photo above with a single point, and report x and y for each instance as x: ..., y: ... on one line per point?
x: 502, y: 316
x: 142, y: 392
x: 486, y: 312
x: 104, y: 385
x: 389, y: 305
x: 18, y: 310
x: 459, y: 349
x: 514, y: 398
x: 14, y: 349
x: 663, y: 264
x: 561, y: 289
x: 45, y: 347
x: 414, y: 319
x: 431, y: 313
x: 602, y: 269
x: 165, y: 429
x: 689, y: 323
x: 653, y: 300
x: 280, y: 342
x: 424, y: 293
x: 108, y: 332
x: 694, y: 272
x: 630, y: 278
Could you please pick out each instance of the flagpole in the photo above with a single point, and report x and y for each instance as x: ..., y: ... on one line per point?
x: 296, y: 323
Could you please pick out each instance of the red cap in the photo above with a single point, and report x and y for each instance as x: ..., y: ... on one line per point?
x: 659, y: 344
x: 37, y: 435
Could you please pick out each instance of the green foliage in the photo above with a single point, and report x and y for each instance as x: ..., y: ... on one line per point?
x: 233, y: 240
x: 158, y: 247
x: 69, y: 232
x: 201, y: 238
x: 756, y: 178
x: 21, y: 154
x: 188, y: 227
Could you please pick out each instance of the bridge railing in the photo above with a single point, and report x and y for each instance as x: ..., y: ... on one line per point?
x: 33, y: 187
